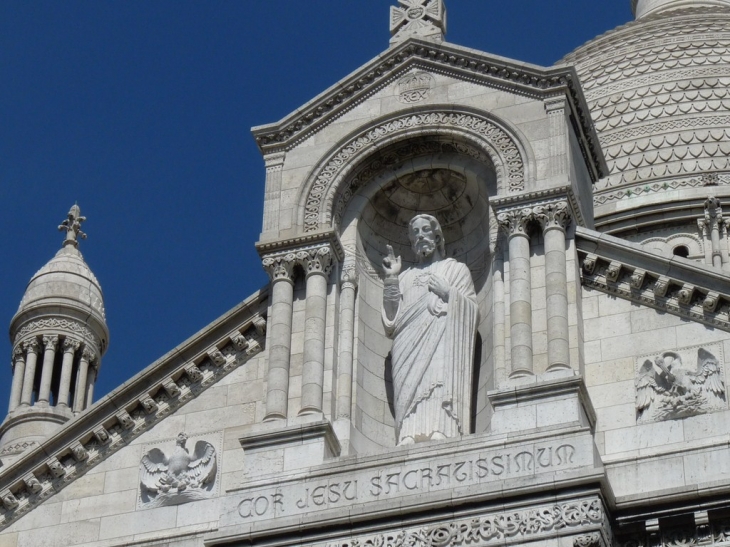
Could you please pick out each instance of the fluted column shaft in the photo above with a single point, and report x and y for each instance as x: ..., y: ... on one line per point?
x: 317, y: 263
x: 18, y: 374
x: 554, y: 219
x: 347, y: 337
x: 31, y: 350
x: 81, y: 380
x: 515, y: 223
x: 49, y: 355
x: 280, y: 269
x: 70, y: 347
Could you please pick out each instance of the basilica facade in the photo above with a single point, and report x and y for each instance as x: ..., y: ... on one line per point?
x: 498, y: 309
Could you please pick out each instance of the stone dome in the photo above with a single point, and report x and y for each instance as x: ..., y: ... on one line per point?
x: 65, y: 288
x: 658, y: 91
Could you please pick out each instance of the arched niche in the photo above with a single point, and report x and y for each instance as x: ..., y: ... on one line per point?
x: 452, y: 181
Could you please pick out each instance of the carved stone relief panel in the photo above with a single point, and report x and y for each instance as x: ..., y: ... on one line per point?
x: 415, y: 87
x: 677, y: 384
x: 180, y: 470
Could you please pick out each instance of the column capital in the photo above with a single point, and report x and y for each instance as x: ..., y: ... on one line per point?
x: 18, y: 353
x: 280, y: 266
x: 553, y: 215
x: 50, y: 341
x: 70, y: 345
x: 317, y: 259
x: 31, y: 346
x: 88, y: 354
x: 349, y: 277
x: 516, y: 222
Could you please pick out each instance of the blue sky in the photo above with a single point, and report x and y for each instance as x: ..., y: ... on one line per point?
x: 140, y: 112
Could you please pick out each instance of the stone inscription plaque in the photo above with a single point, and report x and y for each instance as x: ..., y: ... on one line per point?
x: 389, y: 482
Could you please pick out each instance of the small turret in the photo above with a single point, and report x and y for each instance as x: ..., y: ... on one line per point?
x: 59, y: 335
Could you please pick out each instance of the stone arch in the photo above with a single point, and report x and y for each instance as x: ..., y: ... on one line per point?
x: 472, y: 129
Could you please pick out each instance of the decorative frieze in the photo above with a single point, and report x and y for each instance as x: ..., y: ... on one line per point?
x: 711, y: 534
x: 526, y: 525
x: 62, y: 325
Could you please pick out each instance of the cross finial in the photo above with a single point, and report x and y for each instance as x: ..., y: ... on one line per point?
x: 72, y: 226
x: 418, y: 18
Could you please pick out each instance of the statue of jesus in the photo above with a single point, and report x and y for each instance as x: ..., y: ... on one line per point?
x: 430, y: 312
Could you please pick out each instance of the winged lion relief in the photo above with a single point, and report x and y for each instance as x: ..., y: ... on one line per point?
x: 668, y: 389
x: 175, y: 477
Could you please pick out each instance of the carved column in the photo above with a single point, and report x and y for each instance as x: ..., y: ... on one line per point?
x: 281, y: 270
x: 347, y: 337
x: 31, y: 351
x: 18, y: 373
x: 70, y: 347
x: 516, y: 223
x: 87, y: 355
x: 49, y: 355
x: 500, y: 374
x: 317, y: 263
x: 554, y: 219
x: 91, y: 380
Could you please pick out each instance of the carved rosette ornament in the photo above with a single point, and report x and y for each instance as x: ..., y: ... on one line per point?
x: 280, y: 266
x: 588, y: 540
x: 516, y: 222
x: 553, y: 216
x: 317, y: 260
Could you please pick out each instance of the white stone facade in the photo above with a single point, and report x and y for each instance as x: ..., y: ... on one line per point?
x: 598, y: 411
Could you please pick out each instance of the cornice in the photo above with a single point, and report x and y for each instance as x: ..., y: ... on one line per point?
x: 674, y: 285
x: 472, y: 65
x: 308, y: 240
x: 114, y: 421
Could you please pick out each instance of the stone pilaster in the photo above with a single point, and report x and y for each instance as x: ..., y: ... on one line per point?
x: 554, y: 218
x: 317, y: 262
x: 49, y: 354
x: 280, y: 268
x: 515, y: 223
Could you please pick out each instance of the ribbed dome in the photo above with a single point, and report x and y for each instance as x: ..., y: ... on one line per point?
x: 65, y: 280
x: 658, y: 90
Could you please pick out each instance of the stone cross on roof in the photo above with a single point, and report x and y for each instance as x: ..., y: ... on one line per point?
x: 72, y: 227
x: 418, y: 18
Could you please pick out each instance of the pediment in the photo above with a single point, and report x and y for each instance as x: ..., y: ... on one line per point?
x: 404, y: 64
x: 146, y: 400
x: 674, y: 285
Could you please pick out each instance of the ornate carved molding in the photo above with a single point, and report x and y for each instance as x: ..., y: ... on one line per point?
x: 502, y: 148
x: 564, y: 518
x: 655, y: 290
x: 604, y: 194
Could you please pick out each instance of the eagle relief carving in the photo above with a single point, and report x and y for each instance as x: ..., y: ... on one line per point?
x: 668, y: 388
x: 175, y: 477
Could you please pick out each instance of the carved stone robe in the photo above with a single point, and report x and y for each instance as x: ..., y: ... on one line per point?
x: 433, y: 349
